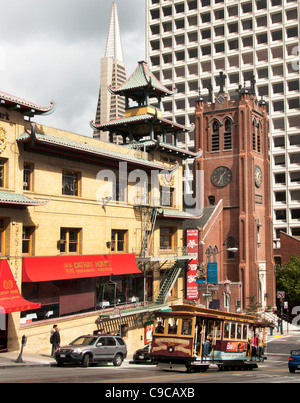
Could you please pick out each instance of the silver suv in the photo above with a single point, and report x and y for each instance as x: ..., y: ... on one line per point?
x: 90, y: 349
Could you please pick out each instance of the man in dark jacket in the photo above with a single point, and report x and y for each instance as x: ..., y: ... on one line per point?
x: 55, y: 339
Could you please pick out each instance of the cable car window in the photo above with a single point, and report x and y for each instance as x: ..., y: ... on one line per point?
x: 226, y: 330
x: 172, y: 326
x: 160, y: 326
x: 239, y: 332
x: 218, y: 330
x: 232, y: 331
x: 210, y: 328
x: 245, y: 332
x: 186, y: 327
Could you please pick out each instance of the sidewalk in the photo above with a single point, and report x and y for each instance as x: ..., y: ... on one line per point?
x: 276, y: 335
x: 9, y: 360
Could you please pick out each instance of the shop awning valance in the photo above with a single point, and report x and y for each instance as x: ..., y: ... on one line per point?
x: 51, y: 268
x: 10, y: 298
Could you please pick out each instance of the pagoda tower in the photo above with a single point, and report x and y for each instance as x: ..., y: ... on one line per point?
x: 142, y: 120
x: 113, y: 72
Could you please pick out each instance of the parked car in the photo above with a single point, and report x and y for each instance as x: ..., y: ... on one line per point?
x: 91, y: 349
x: 294, y: 361
x: 142, y: 355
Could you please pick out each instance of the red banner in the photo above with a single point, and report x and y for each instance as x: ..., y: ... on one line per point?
x: 192, y: 239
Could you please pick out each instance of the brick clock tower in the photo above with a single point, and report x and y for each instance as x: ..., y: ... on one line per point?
x: 233, y: 135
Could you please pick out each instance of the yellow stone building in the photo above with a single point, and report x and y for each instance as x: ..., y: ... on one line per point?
x: 91, y: 232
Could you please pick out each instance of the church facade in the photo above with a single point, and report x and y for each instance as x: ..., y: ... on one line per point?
x: 235, y: 231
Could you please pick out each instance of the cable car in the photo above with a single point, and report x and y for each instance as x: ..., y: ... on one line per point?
x: 191, y: 338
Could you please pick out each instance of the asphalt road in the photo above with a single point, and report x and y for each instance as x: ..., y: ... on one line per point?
x: 145, y: 379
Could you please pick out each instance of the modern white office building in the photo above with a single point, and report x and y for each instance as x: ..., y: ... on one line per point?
x: 188, y: 43
x: 113, y: 73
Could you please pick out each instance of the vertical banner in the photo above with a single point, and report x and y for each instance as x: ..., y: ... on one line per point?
x: 192, y: 239
x: 212, y: 273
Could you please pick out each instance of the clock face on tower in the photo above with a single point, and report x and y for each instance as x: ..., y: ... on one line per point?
x: 221, y: 176
x: 257, y: 176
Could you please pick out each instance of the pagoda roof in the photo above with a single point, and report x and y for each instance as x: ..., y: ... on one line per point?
x: 18, y: 200
x: 168, y: 148
x: 142, y: 79
x: 140, y: 125
x: 27, y: 108
x: 84, y: 151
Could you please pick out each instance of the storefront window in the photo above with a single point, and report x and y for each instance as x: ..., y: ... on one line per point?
x: 71, y: 297
x: 3, y: 332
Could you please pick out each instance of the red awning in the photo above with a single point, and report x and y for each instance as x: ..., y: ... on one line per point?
x: 51, y: 268
x: 10, y: 298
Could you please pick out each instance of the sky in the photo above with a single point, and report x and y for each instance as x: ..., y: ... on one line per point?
x: 51, y: 50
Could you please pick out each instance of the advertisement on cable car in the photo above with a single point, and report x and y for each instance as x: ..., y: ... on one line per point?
x: 176, y: 347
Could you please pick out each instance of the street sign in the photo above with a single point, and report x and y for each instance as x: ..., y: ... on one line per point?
x: 280, y: 294
x: 207, y: 294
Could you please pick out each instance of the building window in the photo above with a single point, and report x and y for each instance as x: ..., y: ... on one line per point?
x: 70, y: 183
x: 2, y: 172
x: 166, y: 196
x: 166, y: 238
x: 119, y: 190
x: 28, y: 176
x: 119, y: 241
x: 215, y: 138
x: 2, y: 237
x: 227, y: 136
x: 253, y: 136
x: 27, y: 240
x: 69, y: 240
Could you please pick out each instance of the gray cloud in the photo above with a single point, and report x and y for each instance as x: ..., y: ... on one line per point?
x: 52, y: 51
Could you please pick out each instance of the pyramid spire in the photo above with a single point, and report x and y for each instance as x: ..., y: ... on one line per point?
x: 114, y: 45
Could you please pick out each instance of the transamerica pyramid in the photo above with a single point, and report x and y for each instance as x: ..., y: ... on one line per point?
x: 113, y: 72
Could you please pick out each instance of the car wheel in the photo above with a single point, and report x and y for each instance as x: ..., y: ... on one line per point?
x: 86, y: 360
x: 117, y: 361
x: 292, y: 370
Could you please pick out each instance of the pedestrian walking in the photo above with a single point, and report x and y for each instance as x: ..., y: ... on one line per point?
x: 279, y: 326
x: 55, y: 339
x: 272, y: 326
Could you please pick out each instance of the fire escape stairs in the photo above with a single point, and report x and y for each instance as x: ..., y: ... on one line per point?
x: 169, y: 281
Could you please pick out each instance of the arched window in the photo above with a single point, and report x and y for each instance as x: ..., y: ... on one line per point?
x: 227, y: 136
x: 215, y: 138
x: 258, y: 138
x: 215, y: 251
x: 253, y: 136
x: 208, y: 254
x: 230, y: 243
